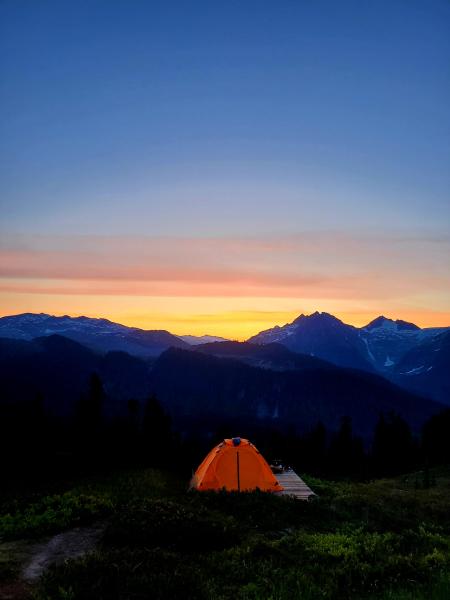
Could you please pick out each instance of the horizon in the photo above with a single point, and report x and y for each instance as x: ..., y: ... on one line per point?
x: 213, y: 168
x: 230, y: 338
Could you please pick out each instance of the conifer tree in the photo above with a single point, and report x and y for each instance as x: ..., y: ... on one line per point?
x: 157, y: 438
x: 393, y: 448
x: 88, y: 418
x: 346, y: 452
x: 436, y: 438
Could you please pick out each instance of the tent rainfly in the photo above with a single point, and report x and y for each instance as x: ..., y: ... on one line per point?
x: 235, y: 465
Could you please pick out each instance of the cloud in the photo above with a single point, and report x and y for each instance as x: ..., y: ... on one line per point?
x: 308, y: 265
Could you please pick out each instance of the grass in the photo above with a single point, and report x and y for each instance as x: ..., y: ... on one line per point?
x: 384, y: 540
x: 52, y: 514
x: 36, y: 514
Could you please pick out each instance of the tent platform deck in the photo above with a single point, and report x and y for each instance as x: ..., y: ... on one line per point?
x: 294, y: 486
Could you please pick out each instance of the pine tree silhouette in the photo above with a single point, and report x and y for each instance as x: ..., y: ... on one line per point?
x: 393, y: 449
x: 157, y: 438
x: 436, y: 438
x: 88, y: 419
x: 346, y: 452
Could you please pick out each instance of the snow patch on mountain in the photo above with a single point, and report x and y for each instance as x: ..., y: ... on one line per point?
x: 196, y: 340
x: 415, y: 371
x: 369, y: 351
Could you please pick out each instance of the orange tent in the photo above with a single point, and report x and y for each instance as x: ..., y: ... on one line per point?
x: 235, y: 465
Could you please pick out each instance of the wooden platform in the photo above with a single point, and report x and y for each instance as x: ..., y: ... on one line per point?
x: 294, y: 486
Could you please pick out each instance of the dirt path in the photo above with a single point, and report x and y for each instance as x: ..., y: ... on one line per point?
x: 69, y: 544
x: 35, y: 558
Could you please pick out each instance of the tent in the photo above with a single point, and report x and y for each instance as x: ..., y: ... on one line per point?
x: 235, y: 464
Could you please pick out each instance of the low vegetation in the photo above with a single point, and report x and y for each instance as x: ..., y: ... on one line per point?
x: 53, y: 513
x: 381, y: 540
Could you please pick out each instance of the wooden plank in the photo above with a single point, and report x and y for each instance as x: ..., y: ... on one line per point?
x: 293, y: 485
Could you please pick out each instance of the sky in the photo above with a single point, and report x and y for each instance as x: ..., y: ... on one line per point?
x: 222, y: 167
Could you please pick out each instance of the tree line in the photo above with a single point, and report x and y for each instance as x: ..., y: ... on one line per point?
x: 393, y: 449
x: 35, y: 444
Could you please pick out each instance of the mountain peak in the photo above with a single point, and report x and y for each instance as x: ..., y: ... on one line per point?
x: 380, y: 321
x: 318, y: 317
x: 386, y: 323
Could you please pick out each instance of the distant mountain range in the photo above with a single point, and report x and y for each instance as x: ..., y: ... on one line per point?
x: 196, y: 340
x: 413, y: 358
x: 247, y: 385
x: 98, y: 334
x: 323, y: 336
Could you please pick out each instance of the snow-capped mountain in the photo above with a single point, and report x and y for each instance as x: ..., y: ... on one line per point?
x: 392, y: 348
x: 415, y: 358
x: 196, y: 340
x: 425, y: 368
x: 321, y: 335
x: 388, y: 341
x: 382, y: 322
x: 98, y: 334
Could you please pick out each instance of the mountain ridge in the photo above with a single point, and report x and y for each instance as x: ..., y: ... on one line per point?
x: 98, y: 334
x: 378, y: 347
x: 200, y: 389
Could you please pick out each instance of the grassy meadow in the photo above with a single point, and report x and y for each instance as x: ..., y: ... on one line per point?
x: 386, y: 539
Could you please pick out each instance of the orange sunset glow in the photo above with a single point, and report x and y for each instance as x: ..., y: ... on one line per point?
x: 231, y: 287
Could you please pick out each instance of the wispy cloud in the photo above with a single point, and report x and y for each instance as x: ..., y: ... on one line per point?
x: 307, y: 260
x: 323, y: 268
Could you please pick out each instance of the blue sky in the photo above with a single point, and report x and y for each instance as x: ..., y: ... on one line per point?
x: 221, y: 119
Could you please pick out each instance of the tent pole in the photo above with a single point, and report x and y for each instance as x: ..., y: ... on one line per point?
x: 238, y: 471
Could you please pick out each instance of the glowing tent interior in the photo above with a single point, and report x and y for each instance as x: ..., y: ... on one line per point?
x: 235, y: 464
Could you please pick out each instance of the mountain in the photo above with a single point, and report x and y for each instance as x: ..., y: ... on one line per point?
x: 98, y: 334
x: 385, y: 323
x: 407, y: 355
x: 425, y: 368
x: 269, y: 356
x: 202, y: 391
x: 195, y: 340
x: 382, y: 346
x: 208, y: 390
x: 388, y: 341
x: 58, y: 369
x: 323, y: 336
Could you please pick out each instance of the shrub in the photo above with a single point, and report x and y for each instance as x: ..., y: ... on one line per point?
x: 53, y: 513
x: 328, y: 565
x: 115, y: 575
x: 168, y: 524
